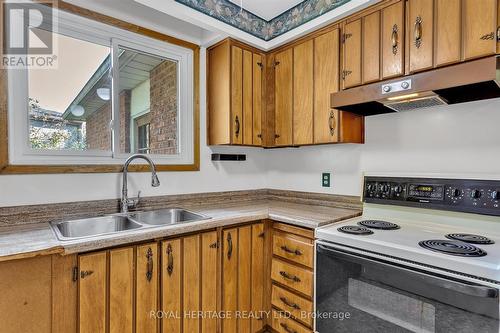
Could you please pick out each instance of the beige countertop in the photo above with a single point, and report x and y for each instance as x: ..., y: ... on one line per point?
x: 39, y: 239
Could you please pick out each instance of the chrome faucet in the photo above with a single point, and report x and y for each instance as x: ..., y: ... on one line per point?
x: 155, y: 182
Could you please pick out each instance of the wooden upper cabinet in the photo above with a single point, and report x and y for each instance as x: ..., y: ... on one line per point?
x: 351, y: 73
x: 236, y: 95
x: 326, y: 78
x: 283, y: 89
x: 92, y: 292
x: 257, y: 68
x: 371, y: 47
x: 303, y: 93
x: 393, y: 33
x: 480, y: 28
x: 421, y: 34
x: 448, y: 31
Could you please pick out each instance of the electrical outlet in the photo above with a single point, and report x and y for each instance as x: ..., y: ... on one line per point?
x: 325, y: 179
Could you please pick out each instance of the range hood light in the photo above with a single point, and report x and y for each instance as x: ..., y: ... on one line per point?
x: 398, y: 98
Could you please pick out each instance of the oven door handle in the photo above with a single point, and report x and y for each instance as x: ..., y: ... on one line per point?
x: 454, y: 285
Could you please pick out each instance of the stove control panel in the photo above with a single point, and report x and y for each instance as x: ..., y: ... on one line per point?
x: 465, y: 195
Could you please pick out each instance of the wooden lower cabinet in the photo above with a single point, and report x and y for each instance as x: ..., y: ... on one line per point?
x: 92, y: 292
x: 121, y: 290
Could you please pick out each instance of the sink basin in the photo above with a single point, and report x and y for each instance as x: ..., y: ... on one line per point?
x: 91, y: 227
x: 166, y: 216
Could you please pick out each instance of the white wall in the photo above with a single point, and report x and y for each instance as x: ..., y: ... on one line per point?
x: 460, y: 139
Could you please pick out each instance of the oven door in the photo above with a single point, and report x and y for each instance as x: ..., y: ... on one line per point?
x: 355, y: 293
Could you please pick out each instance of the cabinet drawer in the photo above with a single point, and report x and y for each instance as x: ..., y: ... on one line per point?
x: 294, y: 277
x: 296, y: 305
x: 293, y: 249
x: 282, y: 324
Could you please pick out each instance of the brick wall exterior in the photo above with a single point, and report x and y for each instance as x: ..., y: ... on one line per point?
x: 163, y: 106
x: 163, y: 110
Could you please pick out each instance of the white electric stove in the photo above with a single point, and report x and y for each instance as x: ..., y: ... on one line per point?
x: 423, y: 257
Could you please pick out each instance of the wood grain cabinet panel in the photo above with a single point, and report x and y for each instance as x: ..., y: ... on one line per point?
x: 282, y: 323
x: 292, y: 276
x: 296, y: 305
x: 303, y: 93
x: 171, y: 285
x: 244, y: 276
x: 283, y: 89
x: 371, y: 47
x: 230, y: 278
x: 257, y: 68
x: 121, y: 290
x: 448, y: 31
x: 191, y: 284
x: 258, y: 275
x: 25, y: 302
x: 209, y: 285
x: 480, y: 26
x: 92, y: 292
x: 247, y: 125
x: 300, y: 251
x: 351, y: 73
x: 146, y: 288
x: 236, y: 95
x: 421, y: 34
x: 393, y: 33
x: 326, y: 81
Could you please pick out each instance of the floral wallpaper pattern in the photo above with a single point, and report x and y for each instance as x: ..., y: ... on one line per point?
x: 232, y: 14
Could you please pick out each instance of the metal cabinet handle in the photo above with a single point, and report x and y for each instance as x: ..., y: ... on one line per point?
x: 237, y: 126
x: 289, y: 304
x: 394, y: 39
x: 287, y: 276
x: 229, y: 246
x: 488, y: 36
x: 332, y: 123
x: 84, y: 274
x: 498, y: 34
x: 346, y: 73
x: 418, y: 32
x: 170, y: 260
x: 287, y: 329
x: 150, y: 264
x: 286, y: 249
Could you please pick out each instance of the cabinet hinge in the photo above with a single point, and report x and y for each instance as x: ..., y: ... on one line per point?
x: 276, y: 63
x: 262, y: 234
x: 345, y: 36
x: 260, y: 65
x: 75, y: 274
x: 345, y: 73
x: 214, y: 245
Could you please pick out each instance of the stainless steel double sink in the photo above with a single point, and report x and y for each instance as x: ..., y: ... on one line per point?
x: 120, y: 223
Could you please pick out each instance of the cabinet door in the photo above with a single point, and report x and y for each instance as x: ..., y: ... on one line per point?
x: 236, y: 121
x: 371, y: 47
x: 191, y: 284
x: 257, y: 99
x: 283, y: 98
x: 480, y: 28
x: 121, y: 290
x: 244, y: 276
x: 326, y: 78
x: 171, y: 275
x: 447, y: 20
x: 258, y: 277
x: 230, y: 278
x: 351, y: 73
x: 421, y: 27
x: 92, y: 292
x: 247, y: 97
x: 392, y: 40
x: 303, y: 93
x: 147, y: 287
x: 209, y: 288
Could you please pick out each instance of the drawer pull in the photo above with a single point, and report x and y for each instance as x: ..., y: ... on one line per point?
x: 287, y: 276
x: 170, y: 264
x: 490, y: 36
x: 287, y: 329
x: 229, y: 246
x: 288, y: 250
x: 149, y: 272
x: 289, y: 304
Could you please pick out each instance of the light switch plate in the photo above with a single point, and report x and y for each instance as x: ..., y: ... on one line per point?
x: 325, y: 179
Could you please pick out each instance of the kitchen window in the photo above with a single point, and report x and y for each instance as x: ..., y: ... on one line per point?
x: 113, y: 93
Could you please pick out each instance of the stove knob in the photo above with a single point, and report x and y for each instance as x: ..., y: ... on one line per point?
x: 398, y: 189
x: 385, y: 188
x: 455, y: 193
x: 475, y: 194
x: 495, y: 195
x: 371, y: 187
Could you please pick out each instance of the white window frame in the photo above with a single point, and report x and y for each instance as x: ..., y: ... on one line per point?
x: 20, y: 152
